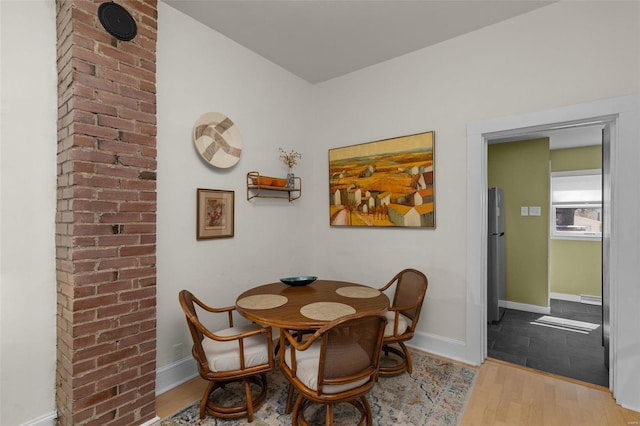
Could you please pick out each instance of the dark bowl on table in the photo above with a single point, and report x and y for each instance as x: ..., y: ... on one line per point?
x: 298, y: 281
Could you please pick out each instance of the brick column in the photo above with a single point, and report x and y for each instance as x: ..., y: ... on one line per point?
x: 106, y: 217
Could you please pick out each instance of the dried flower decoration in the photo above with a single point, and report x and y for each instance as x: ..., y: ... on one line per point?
x: 290, y: 158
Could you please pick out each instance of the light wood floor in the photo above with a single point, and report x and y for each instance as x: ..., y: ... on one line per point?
x: 504, y: 394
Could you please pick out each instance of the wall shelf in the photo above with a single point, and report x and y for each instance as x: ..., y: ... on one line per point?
x: 260, y: 186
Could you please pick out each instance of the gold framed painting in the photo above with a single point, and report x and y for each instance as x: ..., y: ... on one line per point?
x: 386, y: 183
x: 215, y: 213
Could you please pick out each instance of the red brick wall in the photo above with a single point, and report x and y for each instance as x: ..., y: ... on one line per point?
x: 106, y: 217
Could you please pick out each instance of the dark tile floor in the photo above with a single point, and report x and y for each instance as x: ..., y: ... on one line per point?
x: 566, y: 353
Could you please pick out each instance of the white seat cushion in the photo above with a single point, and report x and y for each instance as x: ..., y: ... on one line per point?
x: 308, y: 362
x: 225, y: 356
x: 403, y: 323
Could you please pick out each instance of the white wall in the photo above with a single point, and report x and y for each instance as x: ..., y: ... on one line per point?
x: 541, y: 60
x: 27, y: 210
x: 557, y: 55
x: 199, y: 70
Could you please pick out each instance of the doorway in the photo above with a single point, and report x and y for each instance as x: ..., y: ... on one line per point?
x: 620, y: 114
x: 620, y: 249
x: 551, y: 267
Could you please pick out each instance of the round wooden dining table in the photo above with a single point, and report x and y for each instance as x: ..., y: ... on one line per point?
x: 310, y: 306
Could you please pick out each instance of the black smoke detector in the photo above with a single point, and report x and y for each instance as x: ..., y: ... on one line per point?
x: 117, y: 21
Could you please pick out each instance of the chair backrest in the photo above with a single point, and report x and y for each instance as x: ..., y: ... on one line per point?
x: 350, y: 350
x: 195, y: 327
x: 411, y: 287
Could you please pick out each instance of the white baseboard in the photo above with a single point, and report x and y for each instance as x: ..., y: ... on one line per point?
x: 46, y: 420
x: 525, y: 307
x: 441, y: 346
x: 151, y: 422
x: 590, y: 300
x: 564, y: 296
x: 174, y: 374
x: 635, y: 408
x: 582, y: 298
x: 50, y: 420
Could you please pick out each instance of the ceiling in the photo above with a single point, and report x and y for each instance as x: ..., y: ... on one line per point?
x: 318, y: 40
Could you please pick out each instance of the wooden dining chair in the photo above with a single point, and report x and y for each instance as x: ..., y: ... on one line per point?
x: 242, y: 354
x: 338, y: 363
x: 402, y: 317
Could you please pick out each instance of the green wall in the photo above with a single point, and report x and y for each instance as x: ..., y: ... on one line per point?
x: 575, y: 266
x: 521, y: 169
x: 583, y: 158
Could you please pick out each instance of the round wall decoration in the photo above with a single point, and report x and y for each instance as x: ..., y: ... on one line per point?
x: 117, y: 21
x: 217, y: 140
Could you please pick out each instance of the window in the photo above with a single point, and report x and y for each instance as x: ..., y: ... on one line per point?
x: 576, y: 204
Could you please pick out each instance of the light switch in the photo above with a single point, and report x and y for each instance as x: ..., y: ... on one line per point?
x: 524, y: 211
x: 534, y: 210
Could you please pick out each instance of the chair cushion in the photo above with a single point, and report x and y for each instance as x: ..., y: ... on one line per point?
x: 225, y: 356
x: 403, y: 323
x: 308, y: 363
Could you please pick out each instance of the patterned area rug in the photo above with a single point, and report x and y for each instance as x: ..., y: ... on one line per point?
x: 436, y: 393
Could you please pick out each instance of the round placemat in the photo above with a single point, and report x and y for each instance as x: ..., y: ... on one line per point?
x: 262, y: 301
x: 217, y: 140
x: 326, y: 311
x: 358, y: 292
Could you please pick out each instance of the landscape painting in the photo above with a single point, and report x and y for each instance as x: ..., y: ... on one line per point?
x: 388, y: 183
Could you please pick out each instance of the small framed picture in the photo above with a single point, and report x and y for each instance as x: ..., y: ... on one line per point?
x: 215, y: 214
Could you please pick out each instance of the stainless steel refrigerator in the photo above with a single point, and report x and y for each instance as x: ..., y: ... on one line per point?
x: 495, y: 256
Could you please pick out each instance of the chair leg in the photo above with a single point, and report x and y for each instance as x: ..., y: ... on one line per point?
x: 367, y: 407
x: 404, y: 360
x: 287, y: 408
x: 328, y: 416
x: 210, y: 406
x: 205, y: 399
x: 247, y: 391
x: 407, y: 357
x: 362, y: 405
x: 296, y: 407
